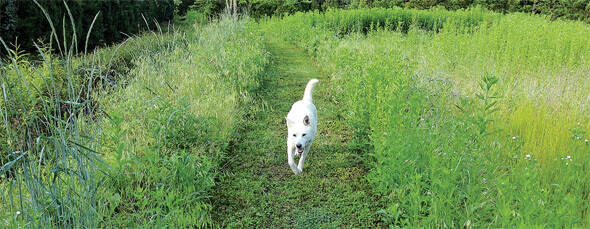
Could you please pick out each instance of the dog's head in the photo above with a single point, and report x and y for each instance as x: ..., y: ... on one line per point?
x: 300, y: 132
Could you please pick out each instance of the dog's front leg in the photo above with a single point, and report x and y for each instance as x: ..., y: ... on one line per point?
x: 290, y: 158
x: 302, y: 158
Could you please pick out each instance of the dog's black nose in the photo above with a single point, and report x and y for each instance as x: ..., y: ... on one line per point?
x: 298, y: 145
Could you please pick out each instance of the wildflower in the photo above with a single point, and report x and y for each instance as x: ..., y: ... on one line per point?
x: 586, y: 140
x: 568, y: 157
x: 528, y: 156
x: 578, y: 124
x: 514, y: 138
x: 18, y: 212
x: 567, y: 163
x: 562, y: 158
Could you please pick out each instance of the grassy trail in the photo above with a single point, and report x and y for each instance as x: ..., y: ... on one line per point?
x: 259, y: 190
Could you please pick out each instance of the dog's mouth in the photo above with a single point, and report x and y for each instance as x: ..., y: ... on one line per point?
x: 299, y: 150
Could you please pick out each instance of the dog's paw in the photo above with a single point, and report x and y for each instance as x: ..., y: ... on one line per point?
x: 297, y: 171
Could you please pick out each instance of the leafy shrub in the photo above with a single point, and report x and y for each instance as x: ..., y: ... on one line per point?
x: 193, y: 17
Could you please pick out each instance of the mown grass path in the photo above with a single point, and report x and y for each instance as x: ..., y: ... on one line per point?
x: 259, y: 190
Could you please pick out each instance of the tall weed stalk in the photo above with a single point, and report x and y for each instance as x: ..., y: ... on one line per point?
x: 48, y: 177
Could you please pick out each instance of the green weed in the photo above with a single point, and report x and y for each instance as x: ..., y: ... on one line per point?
x: 159, y: 108
x: 178, y: 116
x: 496, y: 161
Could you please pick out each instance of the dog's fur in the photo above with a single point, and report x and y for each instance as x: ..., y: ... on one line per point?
x: 302, y: 124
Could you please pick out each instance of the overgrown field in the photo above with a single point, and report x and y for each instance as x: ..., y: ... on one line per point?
x: 466, y: 118
x: 128, y: 136
x: 433, y: 118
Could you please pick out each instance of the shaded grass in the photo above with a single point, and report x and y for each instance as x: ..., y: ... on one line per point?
x: 258, y: 189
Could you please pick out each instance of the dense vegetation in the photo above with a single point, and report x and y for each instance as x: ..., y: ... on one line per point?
x: 564, y: 9
x: 482, y: 122
x: 131, y: 135
x: 115, y: 21
x: 465, y: 118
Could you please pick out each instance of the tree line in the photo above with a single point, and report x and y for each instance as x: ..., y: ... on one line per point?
x: 23, y: 22
x: 566, y: 9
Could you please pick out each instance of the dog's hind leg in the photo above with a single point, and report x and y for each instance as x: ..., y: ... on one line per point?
x: 291, y: 160
x: 302, y: 158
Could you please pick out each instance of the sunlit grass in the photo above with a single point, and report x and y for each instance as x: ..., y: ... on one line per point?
x: 541, y: 65
x: 439, y: 154
x: 179, y: 115
x: 161, y: 109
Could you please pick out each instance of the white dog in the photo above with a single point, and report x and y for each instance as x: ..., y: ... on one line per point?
x: 302, y: 124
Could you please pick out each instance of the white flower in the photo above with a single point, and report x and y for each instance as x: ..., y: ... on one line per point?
x: 568, y: 157
x: 514, y: 138
x: 562, y: 158
x: 18, y: 212
x: 578, y: 124
x: 528, y: 156
x: 567, y: 163
x: 586, y: 140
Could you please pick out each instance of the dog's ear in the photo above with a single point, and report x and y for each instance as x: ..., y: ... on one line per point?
x: 289, y: 123
x: 306, y: 120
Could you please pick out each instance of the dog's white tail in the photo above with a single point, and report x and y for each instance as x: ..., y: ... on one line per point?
x: 307, y: 95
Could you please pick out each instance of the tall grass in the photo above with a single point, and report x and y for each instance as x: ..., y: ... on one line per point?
x: 125, y: 136
x: 342, y: 22
x: 542, y: 65
x: 49, y: 160
x: 171, y: 126
x: 467, y: 125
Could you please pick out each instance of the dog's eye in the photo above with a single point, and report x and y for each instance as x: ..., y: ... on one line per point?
x: 303, y: 135
x: 294, y: 135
